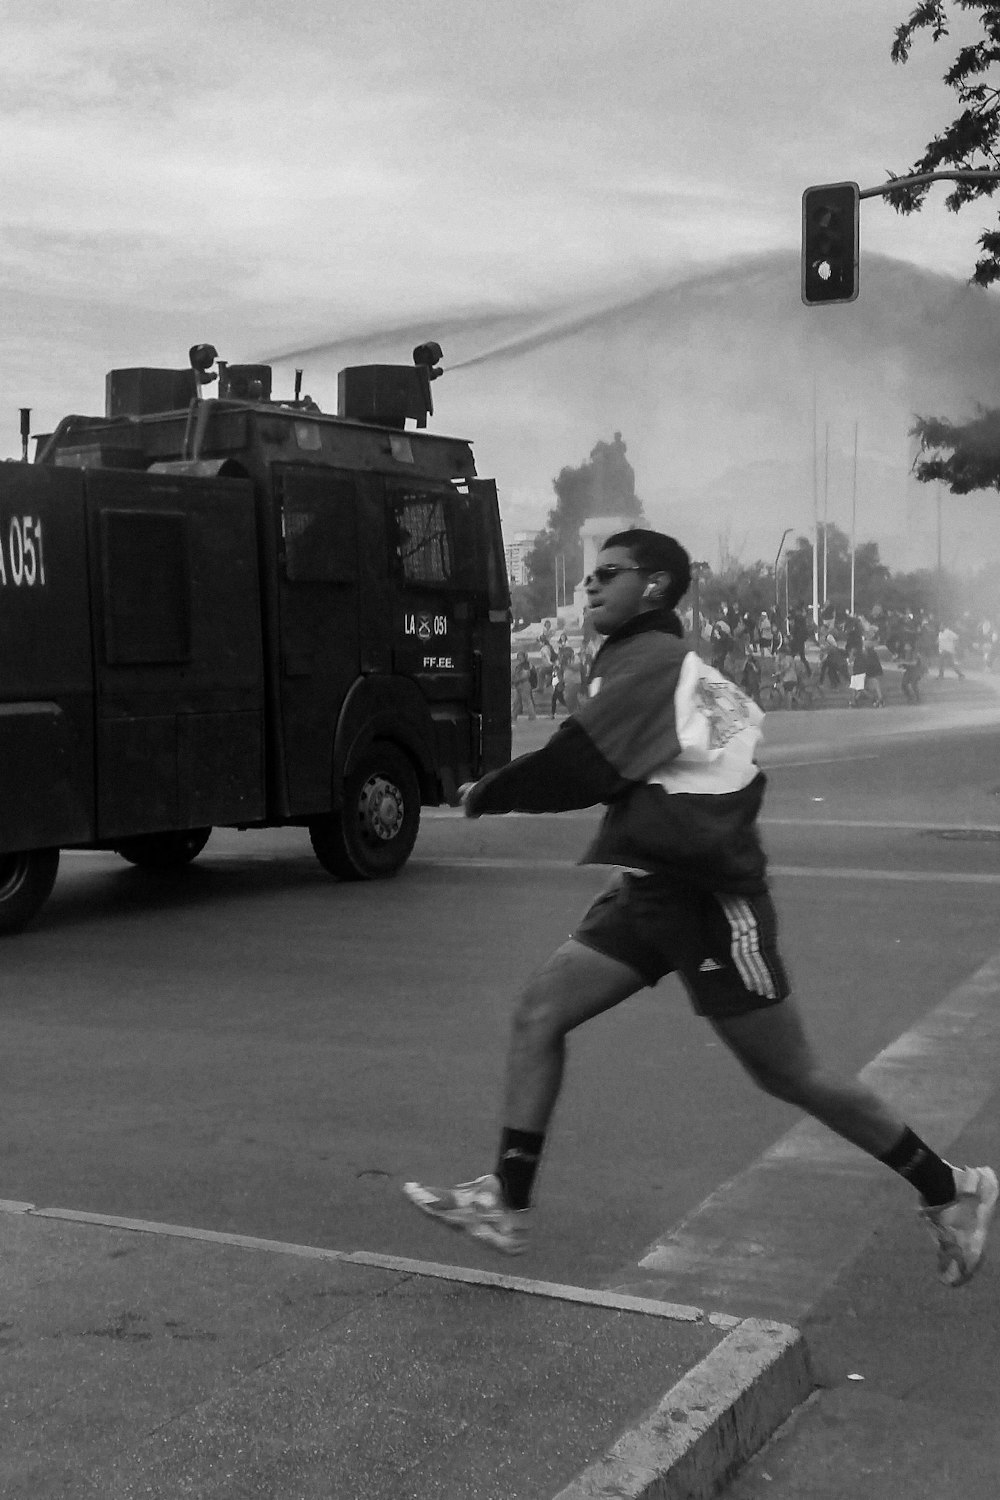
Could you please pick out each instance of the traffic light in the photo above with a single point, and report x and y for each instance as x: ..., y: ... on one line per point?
x: 830, y: 220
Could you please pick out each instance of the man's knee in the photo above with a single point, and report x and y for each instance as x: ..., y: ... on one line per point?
x: 537, y: 1015
x: 794, y: 1083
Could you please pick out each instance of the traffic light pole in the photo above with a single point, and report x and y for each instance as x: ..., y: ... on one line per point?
x: 957, y: 174
x: 831, y: 229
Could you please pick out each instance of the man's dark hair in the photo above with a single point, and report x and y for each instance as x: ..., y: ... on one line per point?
x: 656, y: 552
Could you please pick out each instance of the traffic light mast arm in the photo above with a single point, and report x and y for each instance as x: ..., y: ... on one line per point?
x: 957, y: 174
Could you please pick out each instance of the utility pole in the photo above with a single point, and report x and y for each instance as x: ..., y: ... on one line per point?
x: 777, y: 584
x: 854, y: 513
x: 696, y: 571
x: 826, y: 516
x: 939, y: 589
x: 815, y: 610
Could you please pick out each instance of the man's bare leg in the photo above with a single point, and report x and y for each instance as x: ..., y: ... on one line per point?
x: 958, y: 1202
x: 571, y: 987
x: 575, y: 984
x: 772, y: 1046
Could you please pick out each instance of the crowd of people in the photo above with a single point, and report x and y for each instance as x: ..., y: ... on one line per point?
x: 779, y: 660
x: 788, y: 660
x: 553, y: 679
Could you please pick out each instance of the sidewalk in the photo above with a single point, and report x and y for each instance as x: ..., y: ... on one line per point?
x: 908, y: 1405
x: 146, y: 1360
x: 142, y: 1362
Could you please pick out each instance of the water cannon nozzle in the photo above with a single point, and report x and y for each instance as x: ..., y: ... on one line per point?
x: 426, y: 356
x: 202, y: 358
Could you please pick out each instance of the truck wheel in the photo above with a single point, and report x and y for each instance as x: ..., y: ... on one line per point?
x: 164, y: 851
x: 373, y: 835
x: 25, y: 883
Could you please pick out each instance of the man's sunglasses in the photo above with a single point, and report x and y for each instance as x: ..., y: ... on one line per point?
x: 608, y: 572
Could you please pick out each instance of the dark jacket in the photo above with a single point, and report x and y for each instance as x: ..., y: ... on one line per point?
x: 667, y: 743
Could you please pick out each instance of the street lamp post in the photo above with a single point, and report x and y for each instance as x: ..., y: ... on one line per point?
x: 696, y: 572
x: 777, y: 597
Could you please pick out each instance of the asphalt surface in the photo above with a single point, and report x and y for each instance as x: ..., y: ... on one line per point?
x: 254, y: 1050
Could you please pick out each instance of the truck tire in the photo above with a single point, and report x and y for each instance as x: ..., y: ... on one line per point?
x: 164, y: 851
x: 26, y: 881
x: 373, y: 835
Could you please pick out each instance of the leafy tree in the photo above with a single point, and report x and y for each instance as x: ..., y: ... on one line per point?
x: 963, y: 455
x: 603, y: 485
x: 748, y: 585
x: 971, y: 140
x: 870, y: 573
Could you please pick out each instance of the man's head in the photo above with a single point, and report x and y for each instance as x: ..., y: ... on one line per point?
x: 636, y: 571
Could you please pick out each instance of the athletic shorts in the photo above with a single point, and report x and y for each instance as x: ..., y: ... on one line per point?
x: 723, y: 948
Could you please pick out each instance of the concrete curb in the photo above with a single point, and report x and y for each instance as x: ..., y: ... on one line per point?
x: 706, y: 1427
x: 709, y: 1424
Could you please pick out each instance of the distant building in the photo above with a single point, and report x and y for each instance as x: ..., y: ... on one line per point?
x: 517, y: 551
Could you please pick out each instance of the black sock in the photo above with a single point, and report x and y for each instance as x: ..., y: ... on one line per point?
x: 517, y: 1163
x: 933, y: 1178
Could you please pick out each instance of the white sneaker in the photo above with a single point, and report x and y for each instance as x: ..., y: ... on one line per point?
x: 960, y: 1227
x: 478, y: 1208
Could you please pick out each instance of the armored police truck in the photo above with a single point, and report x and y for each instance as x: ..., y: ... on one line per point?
x: 244, y: 612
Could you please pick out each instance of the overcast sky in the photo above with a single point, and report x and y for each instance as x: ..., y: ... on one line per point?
x: 267, y: 176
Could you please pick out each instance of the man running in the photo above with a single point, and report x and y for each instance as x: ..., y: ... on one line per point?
x: 668, y: 744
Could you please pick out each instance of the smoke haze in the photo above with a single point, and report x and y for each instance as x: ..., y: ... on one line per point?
x: 710, y: 377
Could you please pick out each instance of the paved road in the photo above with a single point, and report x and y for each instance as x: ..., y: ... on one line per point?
x: 255, y: 1048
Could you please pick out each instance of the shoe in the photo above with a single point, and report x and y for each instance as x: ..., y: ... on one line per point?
x: 961, y: 1227
x: 478, y: 1208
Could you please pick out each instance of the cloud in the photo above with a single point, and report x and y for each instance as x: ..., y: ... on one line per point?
x: 276, y: 173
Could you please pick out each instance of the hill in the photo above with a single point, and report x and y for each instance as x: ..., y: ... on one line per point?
x: 710, y: 377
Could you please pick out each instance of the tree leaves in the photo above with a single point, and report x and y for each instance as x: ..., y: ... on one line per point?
x: 604, y: 485
x: 971, y: 139
x: 964, y: 455
x: 931, y: 13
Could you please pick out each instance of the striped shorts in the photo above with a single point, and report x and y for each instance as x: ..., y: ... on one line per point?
x: 723, y: 948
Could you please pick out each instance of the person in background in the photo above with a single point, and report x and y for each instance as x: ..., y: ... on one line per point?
x: 750, y: 681
x: 522, y: 700
x: 799, y: 631
x: 722, y: 640
x: 856, y: 682
x: 833, y: 663
x: 947, y: 644
x: 735, y: 662
x: 873, y: 674
x: 545, y: 671
x: 562, y: 658
x: 913, y: 669
x: 785, y: 673
x: 803, y: 683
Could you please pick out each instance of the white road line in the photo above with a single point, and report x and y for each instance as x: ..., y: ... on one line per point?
x: 817, y: 872
x: 943, y: 877
x: 826, y: 760
x: 770, y: 1241
x: 904, y: 825
x: 556, y: 1291
x: 713, y: 1419
x: 881, y: 824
